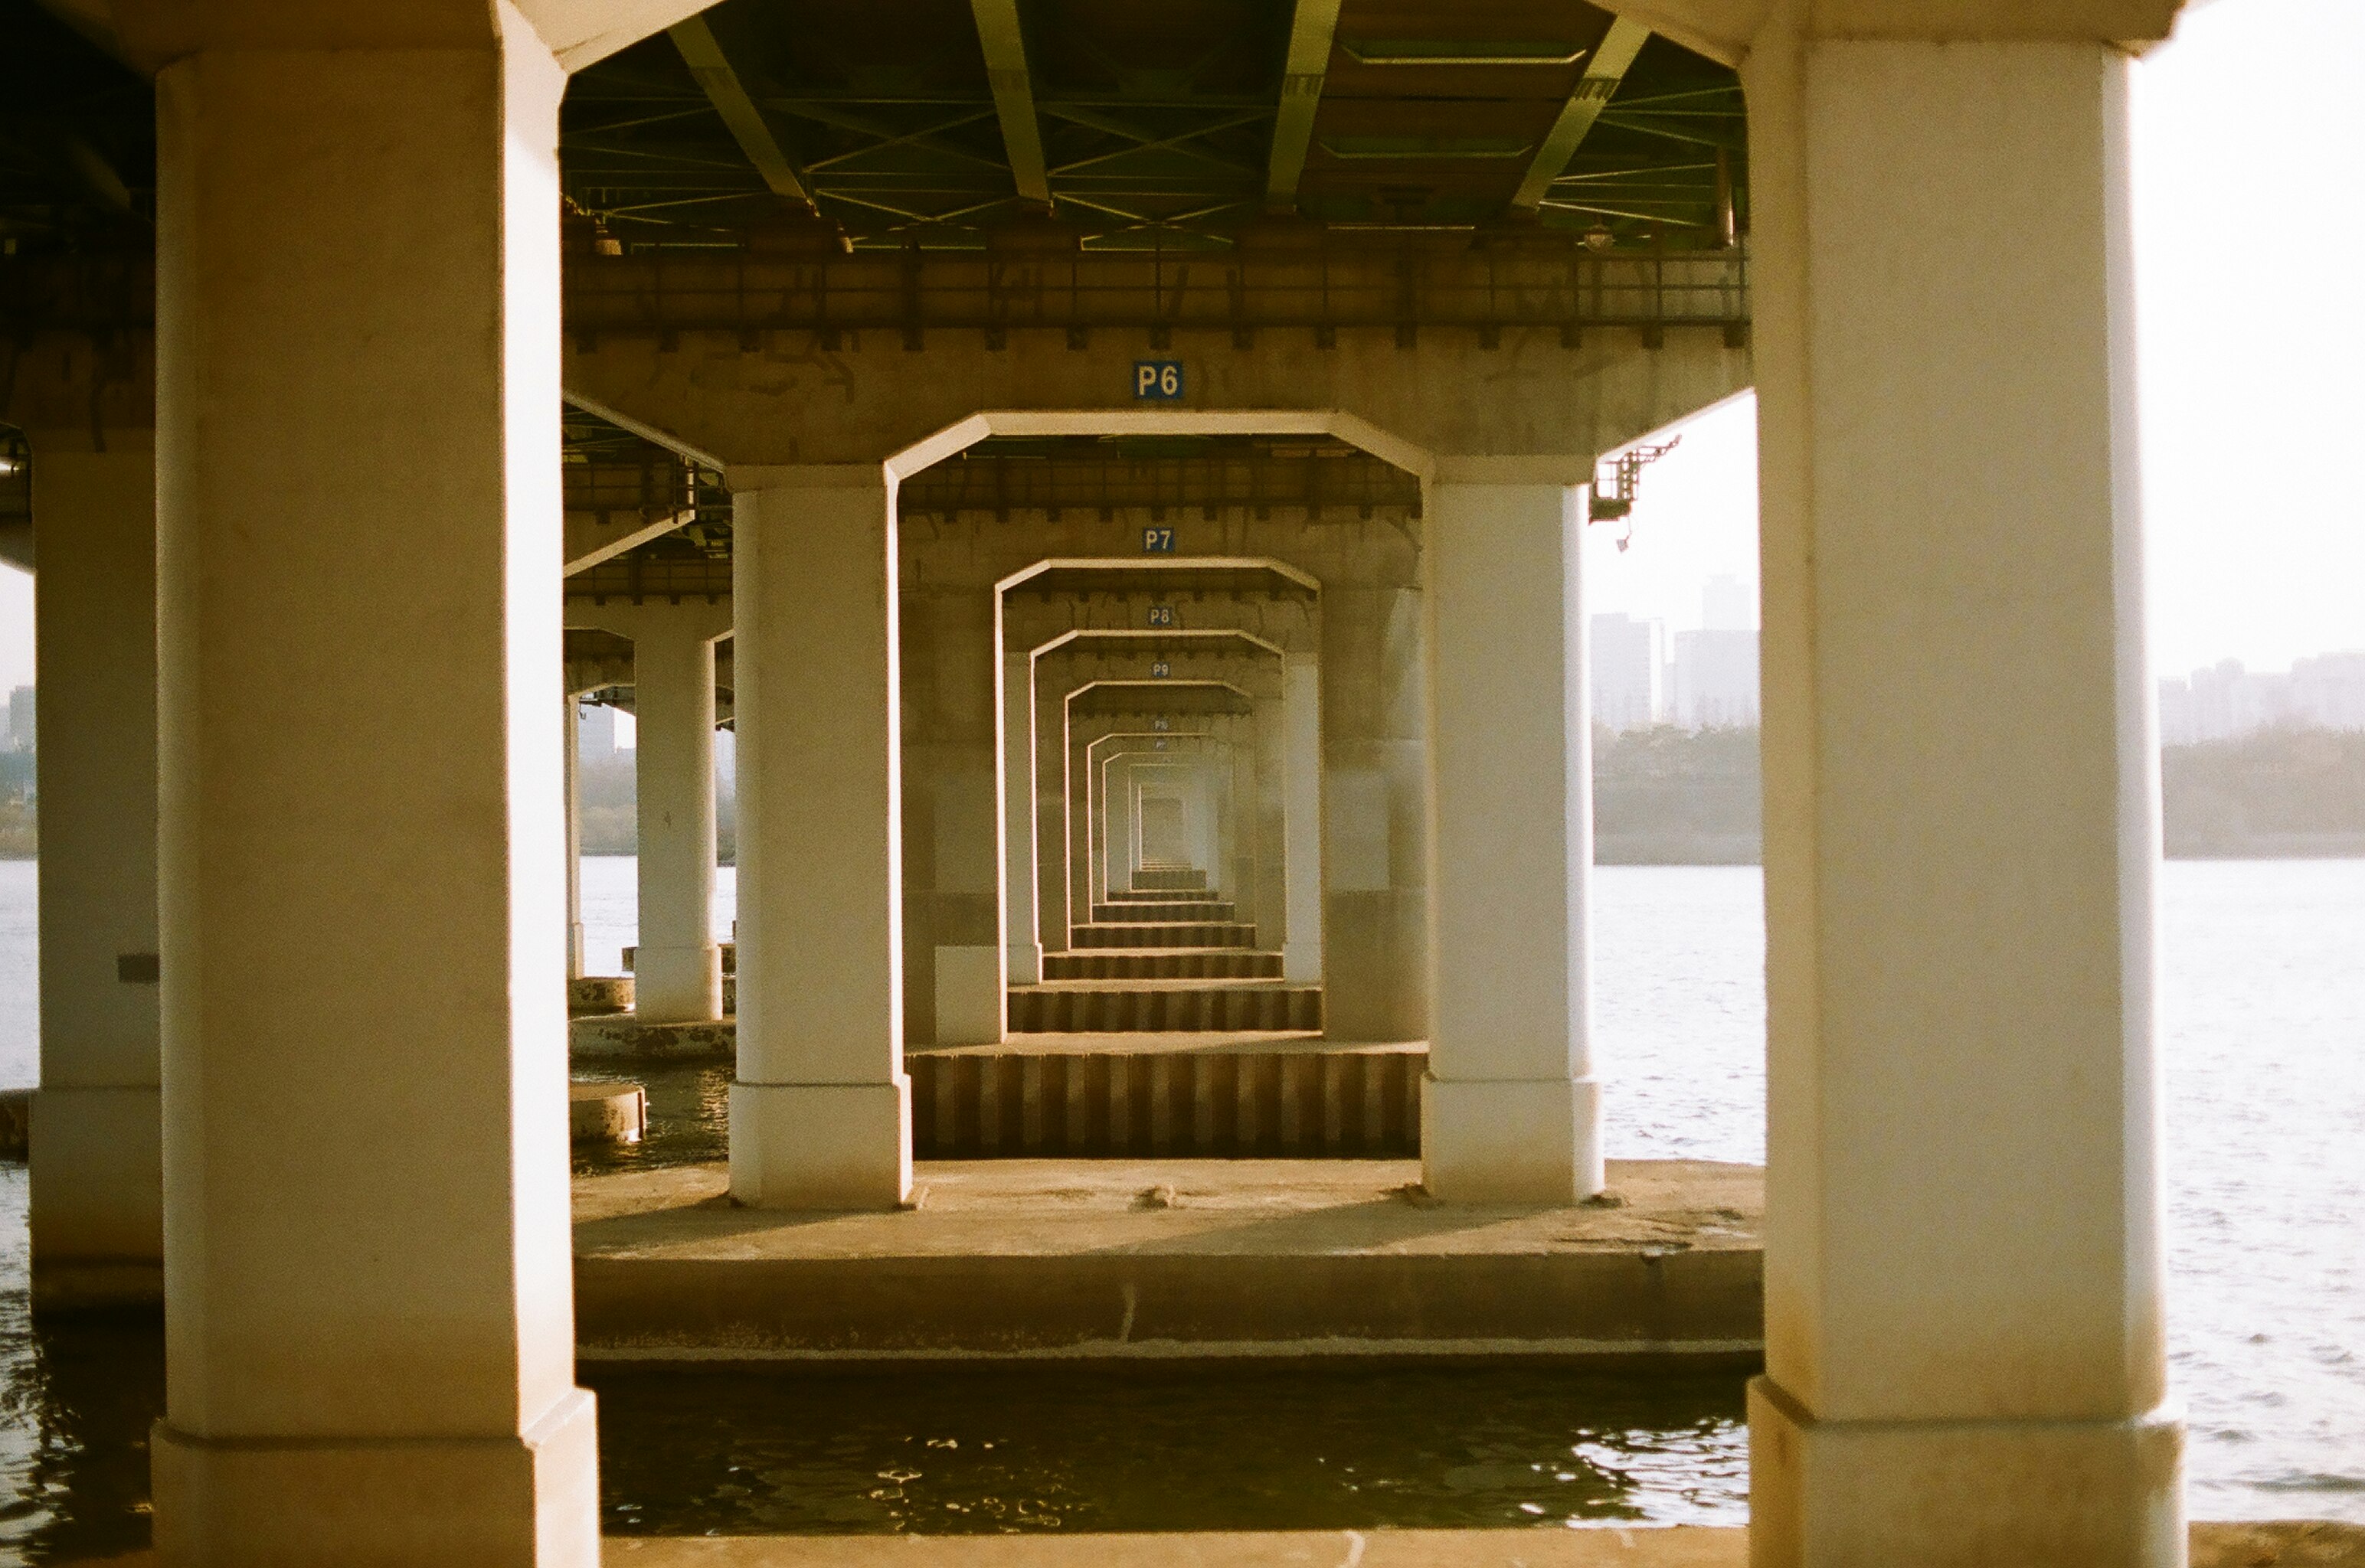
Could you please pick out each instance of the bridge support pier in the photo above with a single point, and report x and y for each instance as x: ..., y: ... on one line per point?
x: 369, y: 1333
x: 1022, y: 939
x: 97, y: 1164
x: 676, y: 966
x: 1962, y: 1274
x: 1301, y: 794
x: 821, y: 1113
x: 1511, y: 1112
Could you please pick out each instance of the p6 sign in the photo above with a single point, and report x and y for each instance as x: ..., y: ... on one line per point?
x: 1157, y: 380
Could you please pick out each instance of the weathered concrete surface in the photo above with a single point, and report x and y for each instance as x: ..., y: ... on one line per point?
x: 2256, y: 1545
x: 1171, y: 1257
x: 607, y: 1112
x: 622, y: 1036
x: 594, y: 994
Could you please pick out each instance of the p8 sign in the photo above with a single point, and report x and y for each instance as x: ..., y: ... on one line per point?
x: 1157, y: 380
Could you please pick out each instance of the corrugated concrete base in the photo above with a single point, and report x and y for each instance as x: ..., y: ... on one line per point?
x: 1222, y: 1094
x: 1171, y: 1260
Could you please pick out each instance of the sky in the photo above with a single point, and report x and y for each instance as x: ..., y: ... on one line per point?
x: 2250, y: 325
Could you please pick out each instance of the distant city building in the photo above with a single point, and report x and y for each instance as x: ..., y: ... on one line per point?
x: 1728, y: 604
x: 2328, y: 690
x: 1629, y: 663
x: 2226, y: 700
x: 20, y: 719
x: 598, y: 735
x: 1712, y: 682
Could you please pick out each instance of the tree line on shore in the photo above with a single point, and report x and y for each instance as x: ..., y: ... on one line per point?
x: 1666, y: 796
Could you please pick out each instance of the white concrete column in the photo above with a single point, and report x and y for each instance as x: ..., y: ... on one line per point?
x: 821, y: 1111
x: 1510, y: 1112
x: 676, y: 965
x: 1301, y: 795
x: 571, y: 752
x: 369, y: 1332
x: 97, y: 1175
x: 1015, y: 744
x: 1051, y: 793
x: 1963, y: 1273
x: 1201, y: 807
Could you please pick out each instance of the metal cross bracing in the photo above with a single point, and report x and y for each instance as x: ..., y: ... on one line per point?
x: 1176, y: 126
x: 1339, y: 146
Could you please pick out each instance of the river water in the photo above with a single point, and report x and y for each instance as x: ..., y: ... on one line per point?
x: 2263, y: 1032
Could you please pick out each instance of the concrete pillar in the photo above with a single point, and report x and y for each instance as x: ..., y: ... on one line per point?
x: 1301, y: 794
x: 1511, y: 1112
x: 676, y: 967
x: 97, y: 1175
x: 1050, y: 805
x: 1963, y: 1270
x: 821, y: 1111
x: 1239, y: 870
x: 1200, y: 805
x: 572, y: 753
x: 1015, y: 741
x: 369, y: 1344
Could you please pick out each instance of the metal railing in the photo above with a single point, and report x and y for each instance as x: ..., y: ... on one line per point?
x: 1320, y: 289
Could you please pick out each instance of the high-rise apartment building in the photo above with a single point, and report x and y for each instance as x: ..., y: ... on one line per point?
x: 598, y: 736
x: 1713, y: 679
x: 2226, y: 700
x: 20, y: 720
x: 1629, y: 660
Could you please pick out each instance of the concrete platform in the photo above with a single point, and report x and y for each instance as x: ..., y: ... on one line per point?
x: 1170, y: 1259
x: 1206, y: 1093
x: 2267, y: 1544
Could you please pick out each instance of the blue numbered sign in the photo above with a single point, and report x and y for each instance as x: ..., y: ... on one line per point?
x: 1161, y: 722
x: 1157, y: 380
x: 1160, y: 669
x: 1157, y: 542
x: 1161, y: 615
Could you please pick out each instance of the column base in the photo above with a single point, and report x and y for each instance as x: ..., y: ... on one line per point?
x: 971, y: 996
x: 1300, y: 963
x: 1025, y: 963
x: 822, y: 1145
x: 1962, y: 1494
x: 1516, y: 1141
x: 97, y: 1175
x: 678, y: 985
x: 529, y: 1501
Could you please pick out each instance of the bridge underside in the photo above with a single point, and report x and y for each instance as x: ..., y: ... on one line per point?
x: 1121, y: 472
